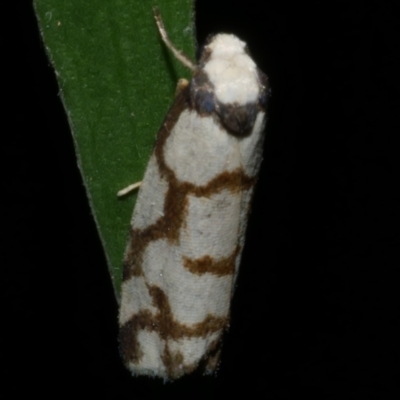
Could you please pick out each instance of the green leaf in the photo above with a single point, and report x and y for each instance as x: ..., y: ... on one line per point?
x: 117, y: 81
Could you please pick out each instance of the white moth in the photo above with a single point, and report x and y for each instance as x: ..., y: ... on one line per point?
x: 188, y: 227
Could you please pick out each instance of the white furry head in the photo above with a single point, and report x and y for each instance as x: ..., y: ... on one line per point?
x: 231, y: 70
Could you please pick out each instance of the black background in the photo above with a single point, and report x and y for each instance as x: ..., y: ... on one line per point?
x: 315, y: 312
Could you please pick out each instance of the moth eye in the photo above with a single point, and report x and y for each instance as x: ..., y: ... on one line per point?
x: 203, y: 99
x: 206, y: 102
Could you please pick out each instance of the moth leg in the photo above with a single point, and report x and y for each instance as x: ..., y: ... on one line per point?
x: 182, y: 84
x: 164, y: 36
x: 129, y: 189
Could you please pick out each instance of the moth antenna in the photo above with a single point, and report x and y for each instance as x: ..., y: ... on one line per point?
x: 183, y: 58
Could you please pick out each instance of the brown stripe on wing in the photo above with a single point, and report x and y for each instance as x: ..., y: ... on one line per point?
x: 174, y: 363
x: 234, y: 181
x: 168, y: 227
x: 175, y: 209
x: 166, y: 326
x: 174, y: 203
x: 207, y: 264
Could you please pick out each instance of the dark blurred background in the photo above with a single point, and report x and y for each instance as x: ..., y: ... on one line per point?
x: 316, y: 309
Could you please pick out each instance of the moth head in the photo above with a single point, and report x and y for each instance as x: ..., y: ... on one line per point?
x: 230, y: 70
x: 224, y: 45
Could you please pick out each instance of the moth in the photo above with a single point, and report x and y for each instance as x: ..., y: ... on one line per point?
x: 188, y: 227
